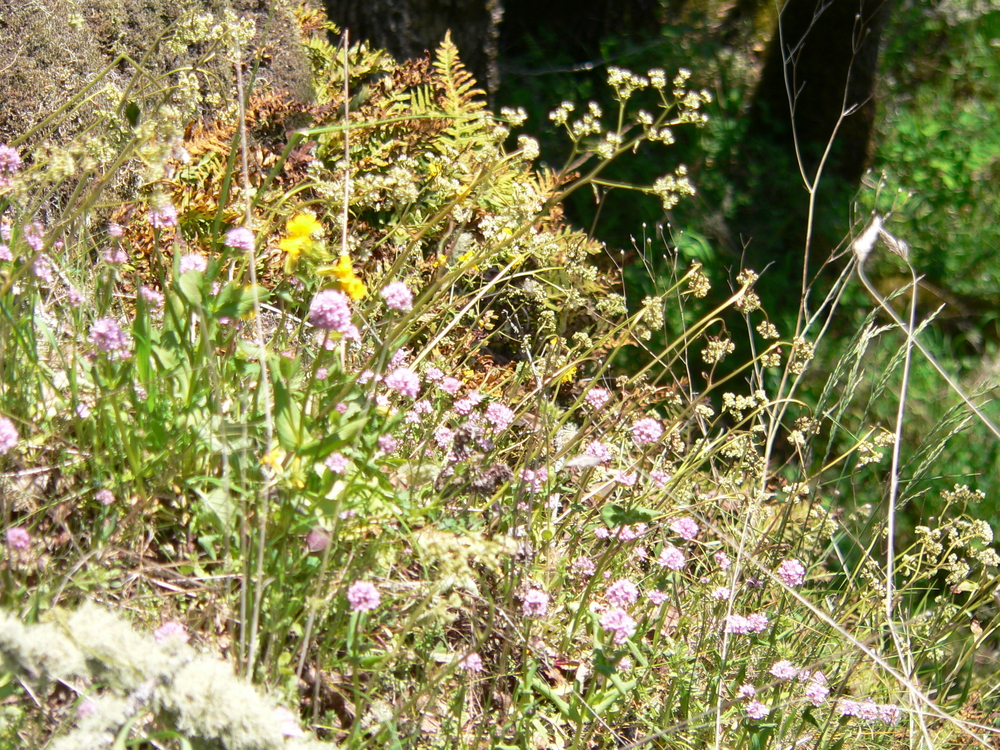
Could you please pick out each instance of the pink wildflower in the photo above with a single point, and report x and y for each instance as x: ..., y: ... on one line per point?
x: 5, y: 253
x: 722, y: 560
x: 318, y: 539
x: 192, y: 262
x: 18, y: 538
x: 500, y: 416
x: 472, y: 662
x: 151, y: 297
x: 535, y: 479
x: 240, y: 238
x: 450, y: 386
x: 671, y: 557
x: 288, y: 723
x: 398, y: 296
x: 597, y: 397
x: 535, y: 604
x: 890, y: 713
x: 657, y: 597
x: 115, y: 230
x: 646, y: 431
x: 746, y: 692
x: 584, y: 567
x: 721, y: 593
x: 404, y: 381
x: 171, y: 630
x: 784, y: 670
x: 433, y: 374
x: 330, y: 310
x: 108, y: 336
x: 363, y: 596
x: 817, y: 691
x: 115, y: 256
x: 8, y: 435
x: 104, y: 497
x: 791, y: 573
x: 387, y: 443
x: 619, y: 622
x: 756, y: 710
x: 686, y: 528
x: 659, y: 478
x: 622, y: 593
x: 163, y: 217
x: 599, y: 451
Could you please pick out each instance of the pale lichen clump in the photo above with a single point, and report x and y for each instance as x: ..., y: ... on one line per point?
x: 130, y: 677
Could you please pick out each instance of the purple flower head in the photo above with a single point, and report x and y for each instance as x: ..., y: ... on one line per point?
x: 34, y: 235
x: 535, y: 604
x: 163, y: 217
x: 42, y: 268
x: 108, y: 337
x: 659, y: 478
x: 398, y: 296
x: 890, y: 713
x: 646, y: 431
x: 104, y: 497
x: 583, y: 566
x: 387, y: 443
x: 404, y: 381
x: 721, y: 592
x: 288, y: 723
x: 192, y: 262
x: 115, y: 256
x: 619, y: 622
x: 433, y: 374
x: 816, y: 691
x: 746, y: 692
x: 8, y: 435
x: 791, y: 573
x: 240, y: 238
x: 671, y: 557
x: 784, y: 670
x: 336, y: 462
x: 171, y: 630
x: 598, y: 451
x: 10, y: 162
x: 152, y: 297
x: 18, y: 538
x: 500, y: 416
x: 472, y: 662
x: 363, y: 596
x: 722, y: 560
x: 535, y: 479
x: 756, y: 710
x: 686, y: 528
x: 597, y: 397
x: 5, y: 253
x: 115, y: 230
x: 318, y: 539
x: 622, y: 593
x: 657, y: 597
x: 450, y: 385
x: 330, y: 311
x: 741, y: 625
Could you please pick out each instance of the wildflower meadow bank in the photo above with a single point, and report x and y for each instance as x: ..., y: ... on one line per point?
x: 321, y: 426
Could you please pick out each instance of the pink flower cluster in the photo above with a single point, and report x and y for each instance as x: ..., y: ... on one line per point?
x: 671, y: 557
x: 8, y: 435
x: 404, y: 381
x: 363, y: 596
x: 499, y: 416
x: 622, y: 593
x: 596, y: 398
x: 619, y: 622
x: 791, y: 573
x: 740, y: 625
x: 646, y: 431
x: 398, y: 297
x: 869, y: 710
x: 535, y: 603
x: 686, y: 528
x: 331, y: 311
x: 240, y: 238
x: 109, y: 338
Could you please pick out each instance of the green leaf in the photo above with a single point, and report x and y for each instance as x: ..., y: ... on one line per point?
x: 618, y: 515
x: 288, y: 422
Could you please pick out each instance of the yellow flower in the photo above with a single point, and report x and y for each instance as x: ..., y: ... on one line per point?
x: 348, y: 281
x: 303, y: 236
x: 273, y: 458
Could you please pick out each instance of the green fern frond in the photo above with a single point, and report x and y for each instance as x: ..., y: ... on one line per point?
x: 460, y: 95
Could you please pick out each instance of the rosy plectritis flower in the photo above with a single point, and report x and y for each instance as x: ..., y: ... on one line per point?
x: 363, y: 596
x: 18, y: 538
x: 397, y: 296
x: 404, y: 381
x: 791, y: 573
x: 8, y: 435
x: 240, y: 238
x: 686, y: 528
x: 619, y: 622
x: 535, y: 604
x: 646, y: 431
x: 330, y: 310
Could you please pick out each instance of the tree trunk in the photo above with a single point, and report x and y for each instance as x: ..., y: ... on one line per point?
x: 822, y: 62
x: 408, y: 28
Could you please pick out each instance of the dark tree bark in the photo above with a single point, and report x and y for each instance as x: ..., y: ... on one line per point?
x: 408, y: 28
x: 821, y: 63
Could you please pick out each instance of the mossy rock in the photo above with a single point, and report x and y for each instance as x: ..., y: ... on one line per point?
x: 52, y: 49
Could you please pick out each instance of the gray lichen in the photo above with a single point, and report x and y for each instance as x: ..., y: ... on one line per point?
x: 169, y: 684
